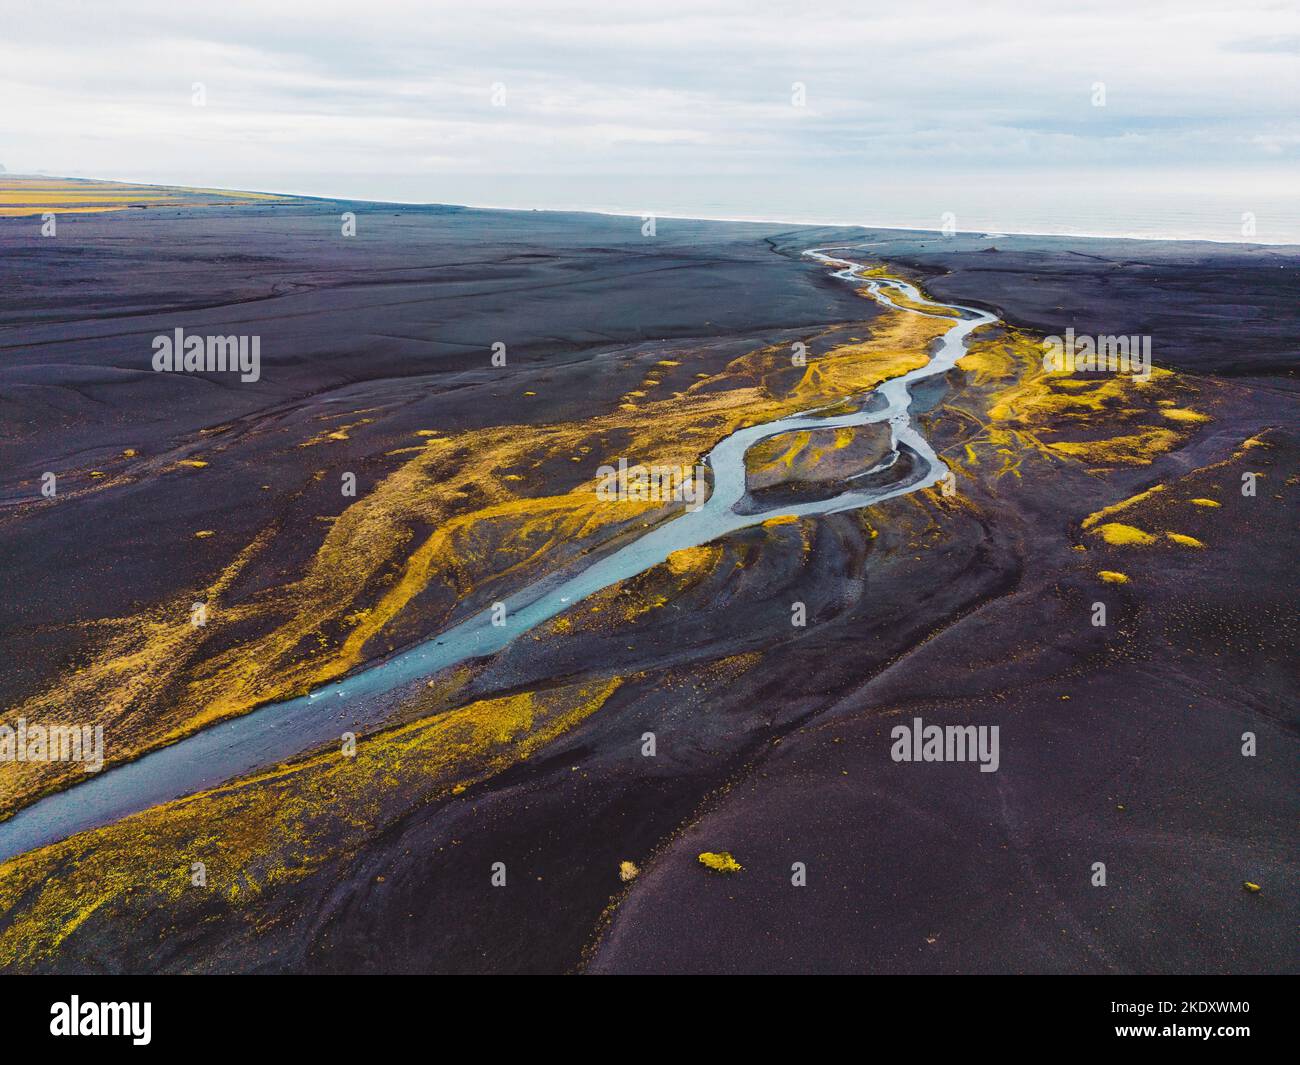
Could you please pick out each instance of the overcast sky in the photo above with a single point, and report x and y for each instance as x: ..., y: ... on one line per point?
x: 659, y: 104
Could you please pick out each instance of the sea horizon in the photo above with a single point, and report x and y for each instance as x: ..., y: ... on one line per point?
x: 1194, y: 217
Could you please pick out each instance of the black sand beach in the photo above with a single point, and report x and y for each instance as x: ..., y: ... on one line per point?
x: 1120, y: 744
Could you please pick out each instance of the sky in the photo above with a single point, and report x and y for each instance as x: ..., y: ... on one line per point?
x: 1170, y: 119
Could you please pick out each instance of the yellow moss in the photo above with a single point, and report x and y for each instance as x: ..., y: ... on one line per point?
x: 340, y: 433
x: 1111, y: 576
x: 900, y: 299
x: 627, y: 871
x: 1205, y: 502
x: 24, y: 212
x: 203, y: 534
x: 1182, y: 415
x: 897, y: 346
x: 1124, y: 535
x: 1136, y: 449
x: 1185, y: 541
x: 1096, y: 420
x: 21, y: 195
x: 701, y: 558
x: 720, y: 862
x: 277, y: 827
x: 811, y: 455
x: 1106, y: 512
x: 778, y: 451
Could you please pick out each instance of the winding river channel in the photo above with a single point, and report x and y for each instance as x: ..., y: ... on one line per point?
x: 278, y: 731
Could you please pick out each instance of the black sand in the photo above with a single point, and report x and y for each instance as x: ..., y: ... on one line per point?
x: 953, y: 618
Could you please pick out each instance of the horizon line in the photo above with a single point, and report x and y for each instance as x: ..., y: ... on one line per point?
x: 631, y: 213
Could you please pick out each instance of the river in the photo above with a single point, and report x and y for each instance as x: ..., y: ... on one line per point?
x: 279, y: 731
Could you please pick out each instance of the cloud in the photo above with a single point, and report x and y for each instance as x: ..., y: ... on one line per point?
x: 1266, y: 45
x: 361, y: 94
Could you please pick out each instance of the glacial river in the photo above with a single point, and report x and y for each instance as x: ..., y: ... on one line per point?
x: 279, y: 731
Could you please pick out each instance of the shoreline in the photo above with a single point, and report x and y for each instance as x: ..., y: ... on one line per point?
x: 621, y: 212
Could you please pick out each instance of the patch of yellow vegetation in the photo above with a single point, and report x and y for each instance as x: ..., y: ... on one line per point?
x: 1180, y: 414
x: 275, y: 828
x: 1184, y: 541
x: 699, y: 559
x: 1137, y: 449
x: 720, y: 862
x: 1106, y: 512
x: 29, y: 195
x: 901, y: 299
x: 142, y: 657
x: 779, y: 451
x: 1105, y: 420
x: 1111, y: 576
x: 340, y: 433
x: 26, y: 212
x: 1120, y: 535
x: 897, y: 346
x: 814, y: 454
x: 1200, y: 502
x: 655, y: 588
